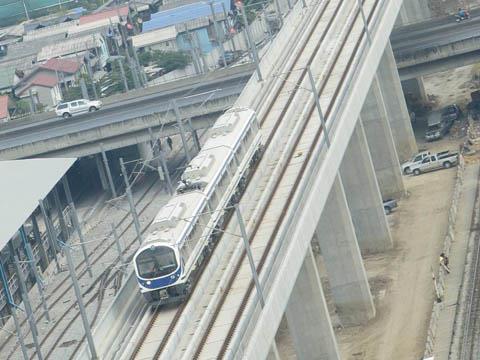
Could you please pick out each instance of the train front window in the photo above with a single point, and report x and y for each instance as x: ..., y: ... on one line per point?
x: 155, y: 262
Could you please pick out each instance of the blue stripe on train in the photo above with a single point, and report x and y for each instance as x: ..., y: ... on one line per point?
x: 161, y: 282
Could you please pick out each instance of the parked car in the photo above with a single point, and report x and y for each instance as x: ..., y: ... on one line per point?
x: 441, y: 160
x: 416, y: 159
x: 389, y: 205
x: 451, y: 112
x: 76, y: 107
x: 438, y: 126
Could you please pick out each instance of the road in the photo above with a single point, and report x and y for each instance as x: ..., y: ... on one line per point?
x: 117, y: 112
x: 434, y: 33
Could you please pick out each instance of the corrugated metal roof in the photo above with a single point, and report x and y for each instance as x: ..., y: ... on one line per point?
x: 154, y: 37
x: 69, y: 46
x: 7, y: 74
x: 26, y: 182
x: 183, y: 14
x: 63, y: 65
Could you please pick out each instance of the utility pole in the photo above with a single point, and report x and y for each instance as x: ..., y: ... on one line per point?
x: 33, y: 266
x: 182, y: 131
x: 196, y: 60
x: 76, y: 223
x: 26, y: 11
x: 118, y: 245
x: 109, y: 173
x: 133, y: 211
x: 241, y: 6
x: 317, y: 105
x: 90, y: 77
x: 28, y: 307
x: 81, y: 306
x: 122, y: 73
x: 165, y: 175
x: 13, y: 311
x: 217, y: 34
x: 50, y: 233
x: 365, y: 21
x: 248, y: 250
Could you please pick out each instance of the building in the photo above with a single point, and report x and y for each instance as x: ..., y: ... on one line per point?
x: 77, y: 47
x: 161, y: 39
x: 7, y: 76
x: 67, y: 70
x: 99, y: 21
x: 45, y: 89
x: 175, y: 28
x: 4, y: 113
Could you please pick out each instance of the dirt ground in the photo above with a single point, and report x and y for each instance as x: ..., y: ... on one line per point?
x: 400, y: 279
x: 463, y: 79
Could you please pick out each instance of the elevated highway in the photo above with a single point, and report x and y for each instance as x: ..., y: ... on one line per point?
x: 419, y: 49
x: 125, y: 119
x: 436, y: 45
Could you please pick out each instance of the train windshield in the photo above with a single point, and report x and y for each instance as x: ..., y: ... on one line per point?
x: 156, y: 262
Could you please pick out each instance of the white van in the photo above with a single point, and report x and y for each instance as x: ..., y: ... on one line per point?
x: 75, y: 107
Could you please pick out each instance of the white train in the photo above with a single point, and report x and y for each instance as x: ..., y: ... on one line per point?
x: 185, y: 230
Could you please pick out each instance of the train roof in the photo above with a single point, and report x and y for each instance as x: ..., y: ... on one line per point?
x: 227, y: 129
x: 175, y: 218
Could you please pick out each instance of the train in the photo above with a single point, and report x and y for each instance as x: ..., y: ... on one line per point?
x: 186, y: 229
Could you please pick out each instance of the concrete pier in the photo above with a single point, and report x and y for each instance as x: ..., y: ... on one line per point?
x: 366, y: 208
x: 101, y: 171
x: 346, y: 273
x: 380, y: 142
x: 396, y: 106
x: 413, y: 11
x: 307, y: 316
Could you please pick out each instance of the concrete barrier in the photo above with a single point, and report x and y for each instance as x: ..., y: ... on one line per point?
x: 110, y: 332
x: 439, y: 277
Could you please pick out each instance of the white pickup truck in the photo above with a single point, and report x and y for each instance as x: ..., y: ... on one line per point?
x: 441, y: 160
x: 416, y: 159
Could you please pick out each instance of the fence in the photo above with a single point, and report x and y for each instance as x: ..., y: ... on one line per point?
x: 439, y: 278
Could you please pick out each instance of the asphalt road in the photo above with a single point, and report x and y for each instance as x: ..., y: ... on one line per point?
x: 406, y: 40
x: 116, y: 113
x: 434, y: 33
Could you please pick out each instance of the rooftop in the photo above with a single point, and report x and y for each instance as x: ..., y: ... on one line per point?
x: 7, y: 74
x: 27, y: 182
x: 62, y: 65
x: 69, y: 46
x: 183, y: 14
x: 123, y: 11
x: 39, y: 79
x: 154, y: 36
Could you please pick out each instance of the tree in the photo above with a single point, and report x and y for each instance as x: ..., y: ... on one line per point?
x: 170, y: 60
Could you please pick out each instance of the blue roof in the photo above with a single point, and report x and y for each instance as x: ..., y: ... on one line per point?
x: 183, y: 14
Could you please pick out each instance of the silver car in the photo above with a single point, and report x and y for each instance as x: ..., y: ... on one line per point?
x: 75, y: 107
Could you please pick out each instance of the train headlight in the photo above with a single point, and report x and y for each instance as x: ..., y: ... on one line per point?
x: 149, y: 282
x: 172, y: 277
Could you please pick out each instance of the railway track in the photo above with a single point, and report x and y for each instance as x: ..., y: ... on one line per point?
x: 264, y: 233
x: 96, y: 289
x: 307, y: 135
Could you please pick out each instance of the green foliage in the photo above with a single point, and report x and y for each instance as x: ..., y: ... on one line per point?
x: 145, y: 58
x: 22, y: 106
x: 112, y: 83
x: 170, y: 60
